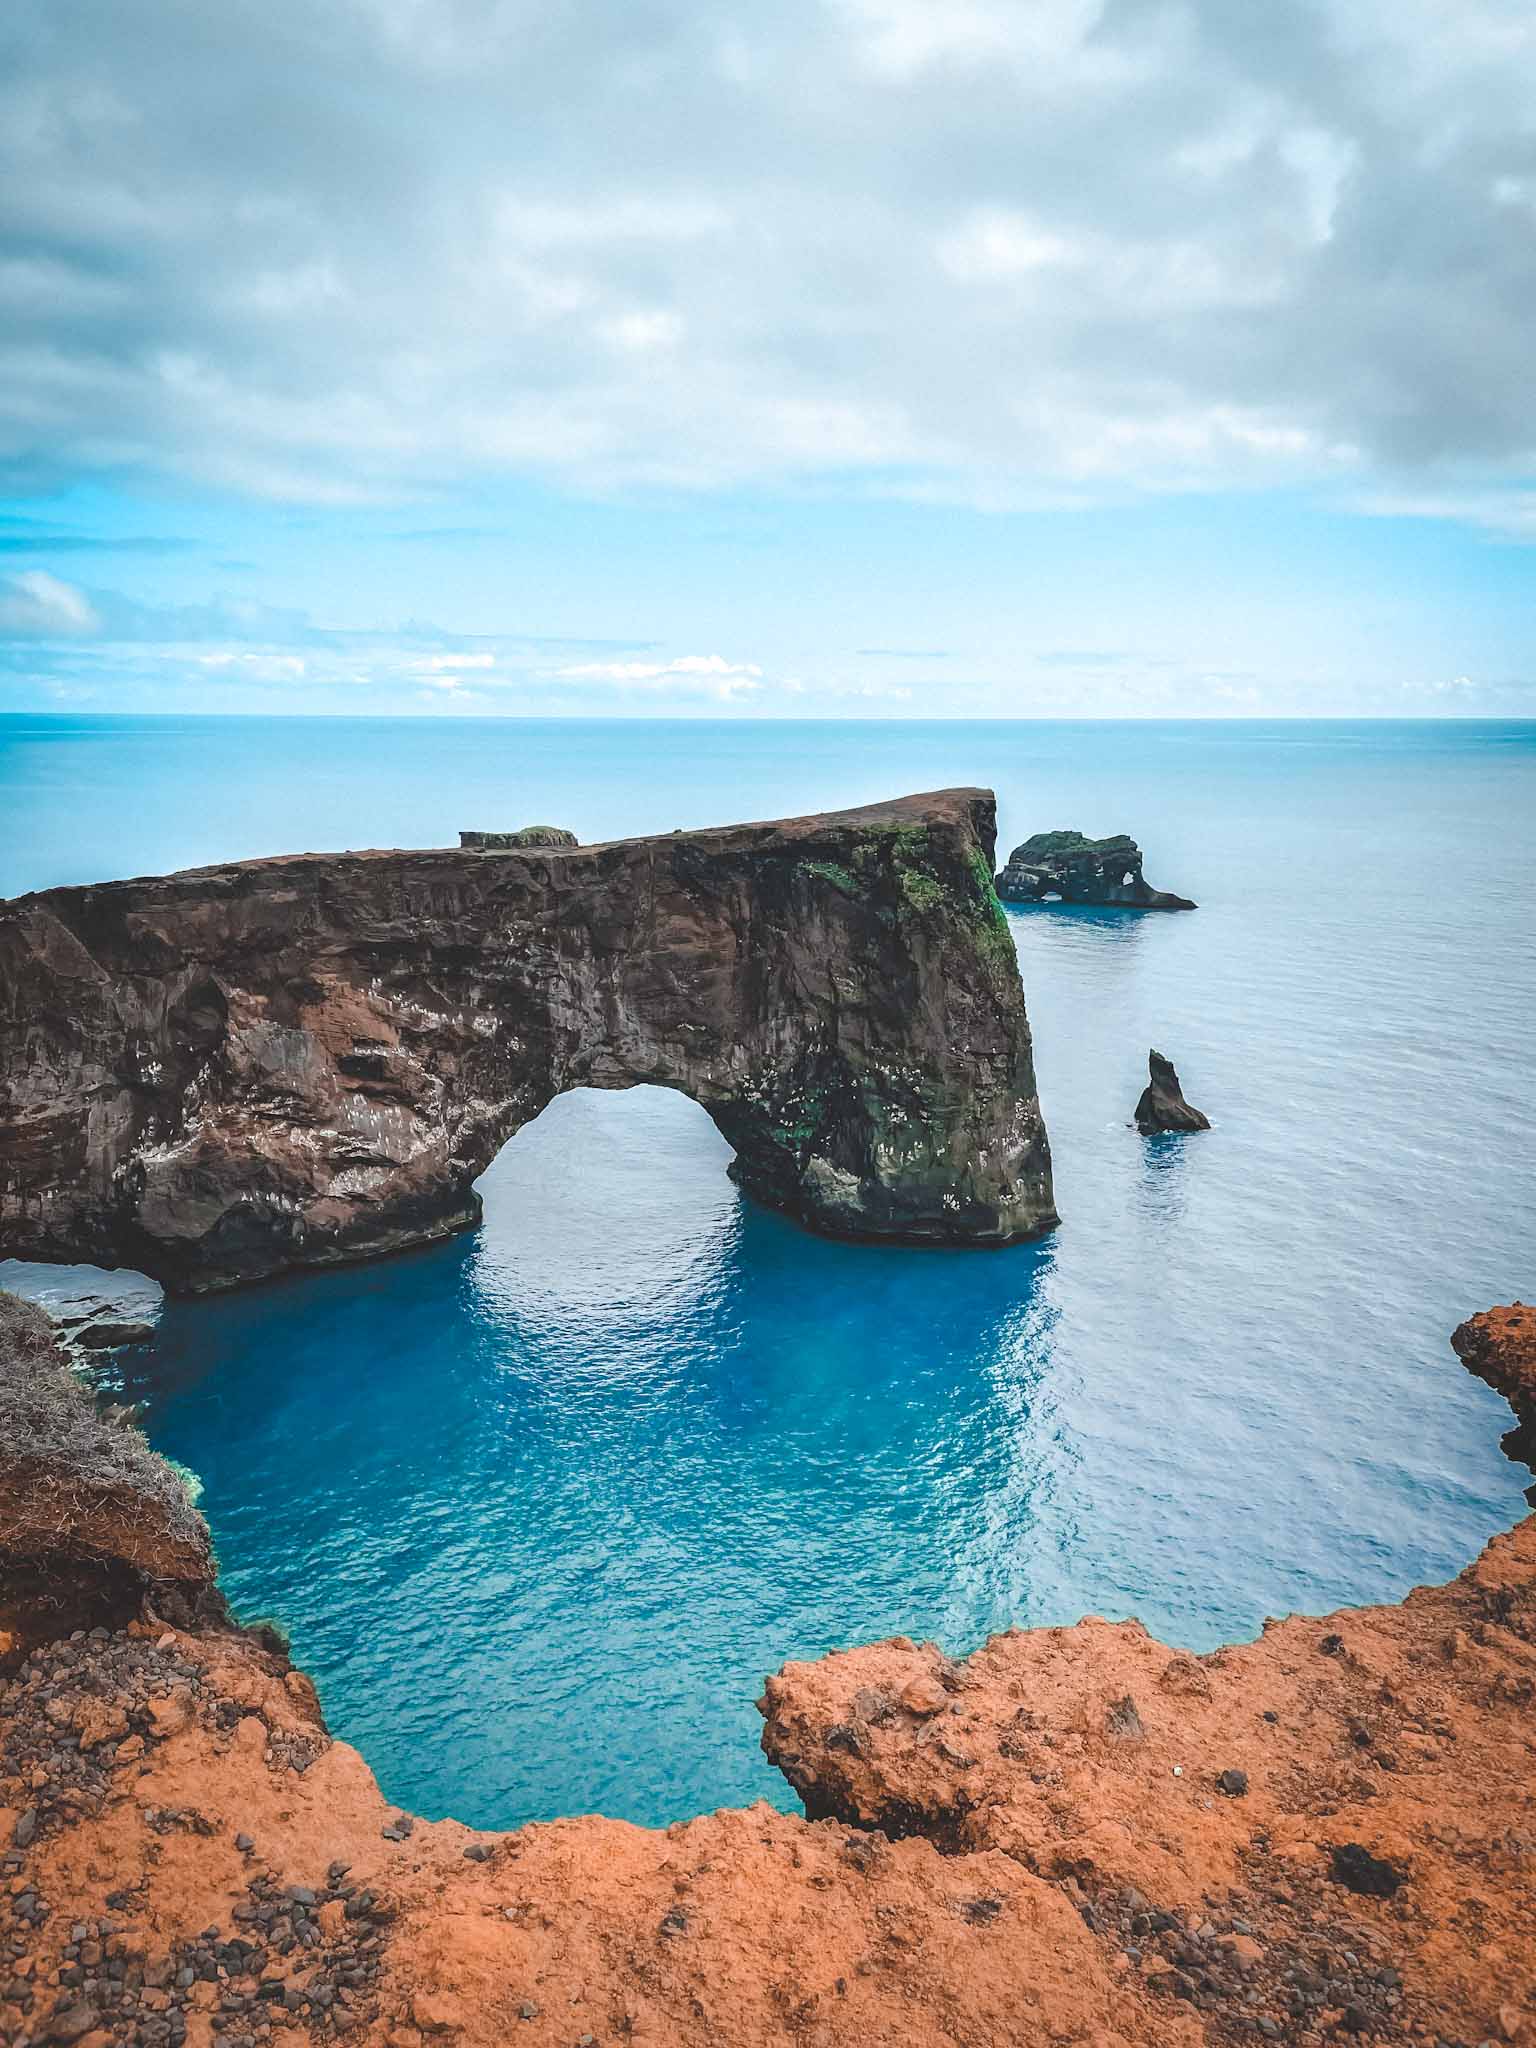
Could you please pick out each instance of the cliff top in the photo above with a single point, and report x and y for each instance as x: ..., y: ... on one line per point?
x: 967, y: 810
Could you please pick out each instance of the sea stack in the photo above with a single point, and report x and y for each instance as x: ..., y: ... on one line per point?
x: 1067, y: 866
x: 1162, y: 1106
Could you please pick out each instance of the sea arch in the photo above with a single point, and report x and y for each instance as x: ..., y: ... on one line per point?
x: 224, y: 1074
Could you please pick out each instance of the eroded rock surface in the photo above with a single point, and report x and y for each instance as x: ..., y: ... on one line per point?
x: 1068, y: 867
x: 1161, y: 1105
x: 1075, y: 1836
x: 1500, y: 1347
x: 1330, y: 1832
x: 216, y: 1075
x: 92, y: 1523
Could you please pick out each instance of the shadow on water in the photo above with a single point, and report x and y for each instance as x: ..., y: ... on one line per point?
x: 1161, y: 1188
x: 1109, y: 933
x: 1124, y: 919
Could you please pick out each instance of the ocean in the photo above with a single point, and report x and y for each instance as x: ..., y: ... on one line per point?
x: 541, y: 1506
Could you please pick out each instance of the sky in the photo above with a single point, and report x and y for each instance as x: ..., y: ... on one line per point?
x: 833, y: 358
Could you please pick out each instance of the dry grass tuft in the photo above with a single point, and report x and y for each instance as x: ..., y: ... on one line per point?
x: 74, y: 1482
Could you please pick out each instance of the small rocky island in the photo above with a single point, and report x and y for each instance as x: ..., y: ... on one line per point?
x: 1067, y: 867
x: 1162, y: 1106
x: 224, y: 1074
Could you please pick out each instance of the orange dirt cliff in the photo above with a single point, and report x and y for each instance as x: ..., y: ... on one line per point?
x: 1500, y: 1347
x: 1074, y: 1836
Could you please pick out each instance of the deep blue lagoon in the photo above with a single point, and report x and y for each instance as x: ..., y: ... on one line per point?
x: 540, y: 1507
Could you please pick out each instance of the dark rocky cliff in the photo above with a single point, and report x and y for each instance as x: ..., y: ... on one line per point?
x: 217, y: 1075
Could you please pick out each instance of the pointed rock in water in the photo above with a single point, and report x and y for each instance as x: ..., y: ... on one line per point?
x: 1080, y: 870
x: 1162, y: 1106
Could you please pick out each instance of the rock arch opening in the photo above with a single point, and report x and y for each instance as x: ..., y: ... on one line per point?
x: 610, y: 1204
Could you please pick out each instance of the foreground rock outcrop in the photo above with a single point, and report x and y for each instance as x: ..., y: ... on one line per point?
x: 1161, y: 1105
x: 1068, y: 867
x: 1074, y: 1836
x: 217, y: 1075
x: 1327, y: 1833
x: 92, y: 1522
x: 1500, y: 1347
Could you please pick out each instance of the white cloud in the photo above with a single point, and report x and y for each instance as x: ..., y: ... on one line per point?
x: 257, y: 666
x: 629, y: 218
x: 993, y: 248
x: 994, y: 243
x: 642, y: 331
x: 709, y: 674
x: 1508, y: 514
x: 449, y: 673
x: 37, y: 605
x: 906, y: 37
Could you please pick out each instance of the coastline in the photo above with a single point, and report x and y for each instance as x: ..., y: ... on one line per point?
x: 1046, y: 1841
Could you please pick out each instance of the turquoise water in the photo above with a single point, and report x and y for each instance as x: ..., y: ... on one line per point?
x: 541, y: 1506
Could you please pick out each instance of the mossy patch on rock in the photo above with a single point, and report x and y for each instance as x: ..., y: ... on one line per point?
x: 511, y: 842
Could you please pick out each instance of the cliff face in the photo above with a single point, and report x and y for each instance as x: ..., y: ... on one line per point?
x: 1500, y: 1347
x: 92, y: 1523
x: 1329, y: 1830
x: 1084, y: 1837
x: 217, y: 1075
x: 1079, y: 870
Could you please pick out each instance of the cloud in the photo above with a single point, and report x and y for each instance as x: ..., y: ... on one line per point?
x: 990, y: 250
x: 449, y: 673
x: 23, y: 536
x: 98, y: 646
x: 261, y: 668
x: 1506, y: 514
x: 709, y: 674
x: 35, y: 605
